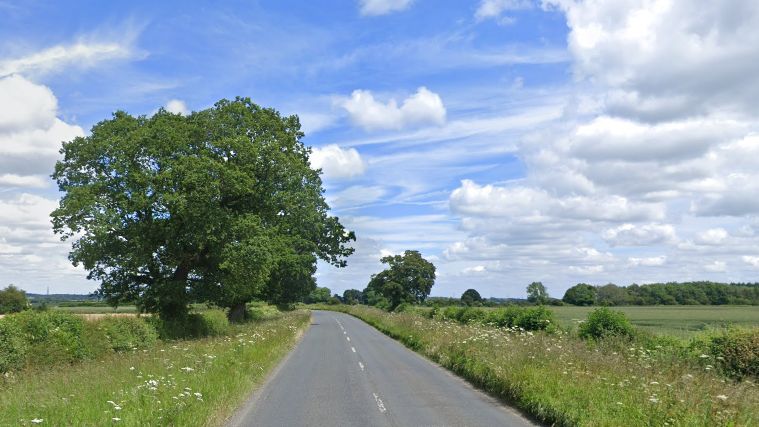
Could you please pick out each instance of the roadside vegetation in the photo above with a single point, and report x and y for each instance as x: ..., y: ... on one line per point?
x: 606, y: 374
x: 134, y: 371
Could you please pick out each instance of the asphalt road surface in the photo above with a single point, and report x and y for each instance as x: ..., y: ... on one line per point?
x: 346, y: 373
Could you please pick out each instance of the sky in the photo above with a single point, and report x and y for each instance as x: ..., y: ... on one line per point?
x: 509, y: 141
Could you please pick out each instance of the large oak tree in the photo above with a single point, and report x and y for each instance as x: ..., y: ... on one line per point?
x: 220, y: 206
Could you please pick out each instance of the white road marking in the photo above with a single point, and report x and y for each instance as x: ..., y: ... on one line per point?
x: 354, y: 349
x: 380, y: 405
x: 361, y: 365
x: 348, y: 338
x: 345, y: 333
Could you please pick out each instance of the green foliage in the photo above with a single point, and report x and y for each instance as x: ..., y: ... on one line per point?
x: 535, y: 319
x: 12, y: 300
x: 603, y: 322
x: 12, y: 346
x: 408, y: 278
x: 220, y: 206
x: 127, y: 333
x: 537, y: 293
x: 737, y: 351
x: 471, y: 297
x: 353, y: 296
x: 208, y: 323
x: 52, y: 336
x: 318, y: 296
x: 580, y: 294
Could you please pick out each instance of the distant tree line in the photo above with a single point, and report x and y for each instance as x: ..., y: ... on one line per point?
x: 672, y: 293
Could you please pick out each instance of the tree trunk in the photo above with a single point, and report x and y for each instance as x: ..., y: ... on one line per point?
x: 238, y: 313
x: 172, y: 302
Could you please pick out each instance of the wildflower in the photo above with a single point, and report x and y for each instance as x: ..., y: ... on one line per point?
x: 704, y: 356
x: 654, y: 383
x: 619, y: 403
x: 131, y: 368
x: 198, y: 395
x: 37, y: 420
x: 652, y: 399
x: 117, y: 408
x: 116, y: 419
x: 187, y: 369
x: 722, y: 397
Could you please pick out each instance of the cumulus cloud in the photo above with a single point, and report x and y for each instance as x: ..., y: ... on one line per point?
x: 639, y: 234
x: 337, y: 162
x: 751, y: 260
x: 422, y: 108
x: 648, y: 261
x: 177, y: 106
x: 713, y: 236
x: 382, y: 7
x: 30, y: 132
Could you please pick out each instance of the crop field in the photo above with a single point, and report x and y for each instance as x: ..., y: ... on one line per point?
x: 682, y: 321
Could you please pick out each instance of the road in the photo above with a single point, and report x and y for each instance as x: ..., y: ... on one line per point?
x: 346, y: 373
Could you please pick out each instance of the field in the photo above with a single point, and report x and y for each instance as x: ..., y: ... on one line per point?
x: 97, y: 310
x: 189, y: 383
x: 682, y: 321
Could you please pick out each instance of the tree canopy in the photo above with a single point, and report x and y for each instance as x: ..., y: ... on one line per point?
x: 580, y: 294
x: 12, y: 300
x: 537, y: 293
x: 471, y: 297
x: 220, y: 206
x: 408, y: 278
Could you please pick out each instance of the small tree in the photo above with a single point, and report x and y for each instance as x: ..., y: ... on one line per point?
x: 409, y: 278
x: 353, y: 296
x: 12, y: 300
x: 580, y: 294
x: 537, y: 293
x: 471, y: 297
x: 318, y: 295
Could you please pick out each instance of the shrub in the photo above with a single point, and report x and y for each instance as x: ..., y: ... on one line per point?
x: 52, y: 336
x: 402, y: 307
x: 737, y: 351
x: 504, y: 317
x: 471, y: 315
x: 12, y: 347
x: 208, y: 323
x: 126, y: 333
x: 603, y: 322
x: 534, y: 319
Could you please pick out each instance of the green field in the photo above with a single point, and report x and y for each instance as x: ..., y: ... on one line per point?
x: 678, y: 320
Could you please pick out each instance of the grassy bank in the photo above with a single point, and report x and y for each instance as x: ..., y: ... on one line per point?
x: 189, y: 383
x: 566, y: 381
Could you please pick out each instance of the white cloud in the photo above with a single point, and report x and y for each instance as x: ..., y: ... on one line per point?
x: 337, y: 162
x: 716, y: 267
x: 639, y: 234
x: 422, y: 108
x: 382, y: 7
x: 648, y: 261
x: 713, y: 236
x: 82, y: 54
x: 477, y: 269
x: 177, y: 106
x: 494, y: 8
x: 751, y: 260
x: 30, y: 132
x: 587, y: 270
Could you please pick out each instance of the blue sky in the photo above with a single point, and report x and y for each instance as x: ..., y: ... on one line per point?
x: 508, y: 140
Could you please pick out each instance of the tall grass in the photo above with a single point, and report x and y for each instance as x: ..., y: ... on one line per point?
x: 188, y: 383
x: 566, y: 381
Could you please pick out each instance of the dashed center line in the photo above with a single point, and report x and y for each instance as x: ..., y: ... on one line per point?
x: 380, y: 405
x: 354, y: 349
x: 348, y: 338
x: 361, y: 365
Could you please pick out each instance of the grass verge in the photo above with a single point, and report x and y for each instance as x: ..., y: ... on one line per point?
x: 189, y: 383
x: 565, y: 381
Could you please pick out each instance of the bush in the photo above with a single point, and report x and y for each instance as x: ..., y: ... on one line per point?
x: 603, y: 322
x: 12, y: 347
x: 737, y: 351
x: 471, y: 315
x: 208, y: 323
x: 126, y: 333
x: 52, y: 336
x: 534, y: 319
x: 402, y: 307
